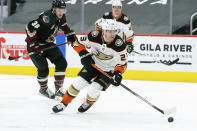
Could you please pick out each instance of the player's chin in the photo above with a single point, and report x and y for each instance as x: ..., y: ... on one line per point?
x: 112, y: 38
x: 59, y: 16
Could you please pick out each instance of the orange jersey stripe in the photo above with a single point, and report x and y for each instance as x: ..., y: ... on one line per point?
x: 130, y: 40
x: 79, y: 48
x: 90, y: 102
x: 119, y: 68
x: 98, y: 28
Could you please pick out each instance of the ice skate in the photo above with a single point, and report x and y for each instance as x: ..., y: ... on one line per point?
x: 47, y: 93
x: 59, y: 92
x: 58, y: 108
x: 84, y: 107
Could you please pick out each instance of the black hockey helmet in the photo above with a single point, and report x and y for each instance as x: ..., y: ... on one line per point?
x: 59, y: 4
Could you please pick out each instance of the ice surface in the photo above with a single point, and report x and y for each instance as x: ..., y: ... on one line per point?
x: 22, y: 109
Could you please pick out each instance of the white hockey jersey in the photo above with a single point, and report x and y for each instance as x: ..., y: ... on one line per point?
x: 106, y: 56
x: 125, y: 32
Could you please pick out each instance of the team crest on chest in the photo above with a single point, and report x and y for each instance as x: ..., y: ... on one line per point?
x: 118, y: 42
x: 103, y: 56
x: 46, y: 19
x: 94, y: 33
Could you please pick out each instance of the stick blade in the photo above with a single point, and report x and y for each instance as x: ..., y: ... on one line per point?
x: 12, y: 58
x: 170, y: 111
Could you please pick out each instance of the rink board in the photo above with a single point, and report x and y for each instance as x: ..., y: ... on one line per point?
x: 128, y: 75
x: 155, y: 47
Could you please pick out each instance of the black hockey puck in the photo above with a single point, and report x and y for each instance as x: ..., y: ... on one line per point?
x: 170, y: 119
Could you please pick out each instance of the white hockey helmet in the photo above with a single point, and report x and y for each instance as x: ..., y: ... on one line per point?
x: 116, y: 3
x: 109, y: 24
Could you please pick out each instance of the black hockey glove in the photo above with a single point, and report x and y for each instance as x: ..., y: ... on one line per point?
x: 130, y: 47
x: 117, y: 78
x: 71, y: 37
x: 86, y: 59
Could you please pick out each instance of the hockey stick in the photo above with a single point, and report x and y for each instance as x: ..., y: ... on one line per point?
x: 31, y: 53
x: 165, y: 112
x: 169, y: 63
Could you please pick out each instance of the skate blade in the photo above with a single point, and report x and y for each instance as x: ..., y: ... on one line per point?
x: 44, y: 96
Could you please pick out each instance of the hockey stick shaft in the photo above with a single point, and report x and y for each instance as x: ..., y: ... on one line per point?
x: 31, y: 53
x: 138, y: 53
x: 137, y: 95
x: 167, y: 112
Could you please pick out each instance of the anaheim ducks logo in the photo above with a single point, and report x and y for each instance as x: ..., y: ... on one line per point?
x: 118, y: 42
x: 102, y: 56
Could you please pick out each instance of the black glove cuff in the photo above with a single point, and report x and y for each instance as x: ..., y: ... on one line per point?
x: 129, y: 43
x: 83, y: 53
x: 117, y: 72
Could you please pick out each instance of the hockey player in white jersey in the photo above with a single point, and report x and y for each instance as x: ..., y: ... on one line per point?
x: 125, y: 28
x: 109, y: 53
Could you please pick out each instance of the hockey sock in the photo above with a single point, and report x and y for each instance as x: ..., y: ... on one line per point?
x: 59, y: 79
x: 90, y: 100
x: 43, y: 82
x: 70, y: 94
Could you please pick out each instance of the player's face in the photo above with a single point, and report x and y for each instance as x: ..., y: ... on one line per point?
x: 59, y: 12
x: 116, y: 10
x: 109, y: 35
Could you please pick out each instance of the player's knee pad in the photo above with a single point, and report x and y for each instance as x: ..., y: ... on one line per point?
x: 94, y: 90
x: 60, y: 64
x: 79, y: 83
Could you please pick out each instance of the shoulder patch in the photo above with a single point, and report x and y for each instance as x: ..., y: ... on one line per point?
x: 118, y: 42
x: 95, y: 36
x: 126, y: 18
x: 94, y: 33
x: 46, y: 19
x: 106, y: 13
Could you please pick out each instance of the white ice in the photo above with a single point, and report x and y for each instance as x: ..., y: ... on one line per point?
x: 22, y: 109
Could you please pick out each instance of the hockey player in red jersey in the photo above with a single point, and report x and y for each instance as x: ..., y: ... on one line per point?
x: 125, y: 28
x: 41, y: 33
x: 109, y: 53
